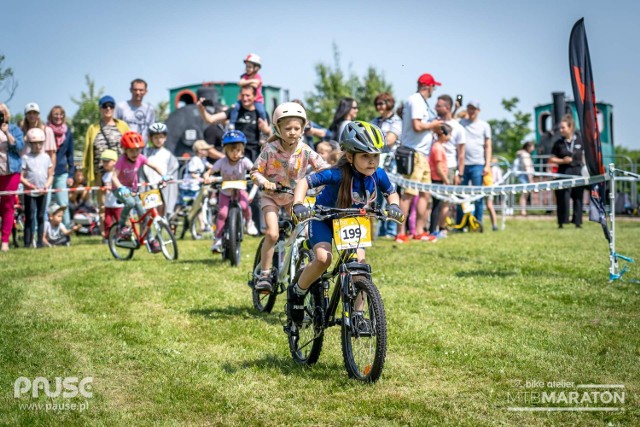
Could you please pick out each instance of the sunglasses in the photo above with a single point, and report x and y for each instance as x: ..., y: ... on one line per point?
x: 107, y: 106
x: 355, y: 108
x: 381, y: 103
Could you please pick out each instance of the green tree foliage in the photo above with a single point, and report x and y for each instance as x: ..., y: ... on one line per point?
x: 508, y: 135
x: 162, y: 111
x: 8, y: 84
x: 88, y: 112
x: 634, y: 155
x: 333, y: 84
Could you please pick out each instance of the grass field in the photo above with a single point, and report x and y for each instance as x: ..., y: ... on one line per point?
x: 473, y: 322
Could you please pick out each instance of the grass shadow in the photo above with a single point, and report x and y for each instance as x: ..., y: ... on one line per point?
x: 234, y: 312
x: 286, y: 365
x: 484, y: 273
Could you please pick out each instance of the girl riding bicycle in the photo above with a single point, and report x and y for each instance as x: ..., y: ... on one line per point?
x: 353, y: 182
x: 125, y: 179
x: 282, y: 162
x: 233, y: 167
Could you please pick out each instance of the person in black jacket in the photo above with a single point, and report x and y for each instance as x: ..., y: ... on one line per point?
x: 567, y: 153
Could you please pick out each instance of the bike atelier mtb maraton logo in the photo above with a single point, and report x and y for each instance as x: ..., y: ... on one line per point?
x: 67, y: 387
x: 560, y: 396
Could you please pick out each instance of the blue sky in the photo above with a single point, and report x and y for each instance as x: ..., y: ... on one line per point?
x: 486, y: 50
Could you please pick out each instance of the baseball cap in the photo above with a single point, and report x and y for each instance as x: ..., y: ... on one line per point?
x: 31, y: 106
x: 54, y: 207
x: 428, y: 80
x: 35, y: 134
x: 474, y: 103
x: 201, y: 144
x: 105, y: 99
x: 109, y: 155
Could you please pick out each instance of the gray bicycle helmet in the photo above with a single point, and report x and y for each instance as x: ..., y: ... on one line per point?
x: 361, y: 137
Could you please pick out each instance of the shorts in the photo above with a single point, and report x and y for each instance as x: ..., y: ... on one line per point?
x: 421, y: 173
x: 451, y: 174
x: 268, y: 201
x: 320, y: 232
x: 523, y: 179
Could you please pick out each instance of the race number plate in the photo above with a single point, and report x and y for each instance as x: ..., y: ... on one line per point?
x: 151, y: 199
x: 236, y: 185
x: 352, y: 233
x: 310, y: 201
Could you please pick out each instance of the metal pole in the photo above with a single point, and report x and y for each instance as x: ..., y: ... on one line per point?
x: 613, y: 263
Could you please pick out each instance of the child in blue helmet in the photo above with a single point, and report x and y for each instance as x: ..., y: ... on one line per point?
x: 353, y: 182
x: 233, y: 167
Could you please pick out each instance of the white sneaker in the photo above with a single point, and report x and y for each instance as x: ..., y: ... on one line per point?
x: 251, y: 228
x: 217, y: 246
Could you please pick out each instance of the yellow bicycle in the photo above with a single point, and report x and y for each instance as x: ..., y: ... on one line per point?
x: 468, y: 223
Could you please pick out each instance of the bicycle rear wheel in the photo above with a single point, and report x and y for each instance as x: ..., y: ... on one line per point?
x: 262, y: 302
x: 305, y: 341
x: 167, y: 241
x: 118, y: 252
x: 364, y: 340
x: 178, y: 222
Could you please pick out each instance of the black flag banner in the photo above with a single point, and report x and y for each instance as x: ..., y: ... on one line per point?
x: 585, y: 101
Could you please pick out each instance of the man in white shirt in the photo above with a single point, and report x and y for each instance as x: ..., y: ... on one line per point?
x: 418, y: 120
x: 477, y: 156
x: 139, y: 115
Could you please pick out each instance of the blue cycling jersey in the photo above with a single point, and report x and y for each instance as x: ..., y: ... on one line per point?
x: 363, y: 188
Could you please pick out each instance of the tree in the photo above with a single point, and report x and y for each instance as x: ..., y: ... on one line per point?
x: 8, y: 84
x: 333, y: 85
x: 509, y: 135
x: 88, y: 112
x: 162, y: 111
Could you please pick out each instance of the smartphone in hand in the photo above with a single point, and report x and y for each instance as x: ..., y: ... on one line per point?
x: 459, y: 100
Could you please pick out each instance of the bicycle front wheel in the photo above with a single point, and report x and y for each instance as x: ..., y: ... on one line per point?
x: 118, y: 252
x: 261, y: 302
x: 364, y: 340
x: 234, y: 235
x: 167, y: 241
x: 178, y: 221
x: 475, y: 225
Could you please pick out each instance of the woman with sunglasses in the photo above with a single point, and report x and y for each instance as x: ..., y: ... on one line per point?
x: 64, y: 166
x: 101, y: 136
x: 346, y: 112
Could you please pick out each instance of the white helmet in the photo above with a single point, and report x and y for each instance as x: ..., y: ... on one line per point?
x: 253, y: 58
x: 284, y: 110
x: 157, y: 127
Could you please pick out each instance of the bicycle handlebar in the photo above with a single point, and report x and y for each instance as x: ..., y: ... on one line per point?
x: 322, y: 213
x: 279, y: 189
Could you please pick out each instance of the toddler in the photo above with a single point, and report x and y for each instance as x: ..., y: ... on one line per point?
x: 37, y: 174
x: 251, y: 77
x: 112, y: 207
x: 55, y: 233
x: 233, y: 167
x: 165, y: 160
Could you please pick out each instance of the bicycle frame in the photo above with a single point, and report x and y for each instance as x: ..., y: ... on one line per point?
x: 290, y: 246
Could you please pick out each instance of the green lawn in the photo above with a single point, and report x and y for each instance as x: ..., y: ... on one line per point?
x: 471, y: 319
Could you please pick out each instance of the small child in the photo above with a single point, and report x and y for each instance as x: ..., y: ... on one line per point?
x: 439, y: 175
x: 493, y: 179
x: 125, y: 178
x: 251, y: 77
x: 37, y: 174
x: 196, y: 168
x: 163, y: 158
x: 233, y: 167
x: 326, y: 149
x: 55, y: 233
x: 283, y: 161
x: 112, y: 208
x: 353, y: 182
x: 79, y: 199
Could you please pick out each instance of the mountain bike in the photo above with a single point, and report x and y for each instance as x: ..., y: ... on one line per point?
x: 290, y: 252
x: 361, y: 317
x: 156, y: 224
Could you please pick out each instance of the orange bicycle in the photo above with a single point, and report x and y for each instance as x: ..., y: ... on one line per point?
x: 156, y: 226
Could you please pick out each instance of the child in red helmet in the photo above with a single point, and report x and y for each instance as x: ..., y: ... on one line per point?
x: 252, y: 64
x: 125, y: 178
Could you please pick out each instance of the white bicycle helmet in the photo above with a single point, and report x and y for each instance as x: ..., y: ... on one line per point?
x: 284, y: 110
x: 157, y: 128
x: 254, y: 59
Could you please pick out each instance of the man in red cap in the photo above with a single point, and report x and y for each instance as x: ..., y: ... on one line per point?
x: 418, y: 120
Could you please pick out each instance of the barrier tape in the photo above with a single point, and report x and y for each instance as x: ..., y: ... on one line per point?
x: 453, y: 193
